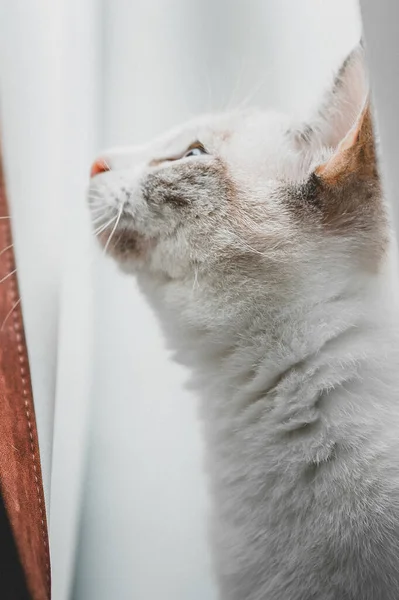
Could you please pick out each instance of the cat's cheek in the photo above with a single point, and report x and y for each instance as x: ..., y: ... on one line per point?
x: 128, y: 246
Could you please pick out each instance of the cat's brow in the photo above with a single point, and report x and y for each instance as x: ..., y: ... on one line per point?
x: 157, y: 161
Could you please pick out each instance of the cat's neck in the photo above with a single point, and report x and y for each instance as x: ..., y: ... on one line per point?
x: 240, y: 354
x: 324, y: 344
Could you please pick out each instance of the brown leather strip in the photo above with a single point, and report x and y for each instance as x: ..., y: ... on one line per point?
x: 20, y: 472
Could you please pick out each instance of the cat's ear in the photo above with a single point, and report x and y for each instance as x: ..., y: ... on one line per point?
x: 346, y: 186
x: 355, y: 154
x: 342, y: 104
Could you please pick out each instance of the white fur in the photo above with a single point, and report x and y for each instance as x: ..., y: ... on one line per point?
x: 293, y: 353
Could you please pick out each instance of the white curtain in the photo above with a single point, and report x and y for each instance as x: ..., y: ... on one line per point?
x: 50, y: 123
x: 120, y: 440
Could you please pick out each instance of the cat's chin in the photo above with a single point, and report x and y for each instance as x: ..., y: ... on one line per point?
x: 127, y: 247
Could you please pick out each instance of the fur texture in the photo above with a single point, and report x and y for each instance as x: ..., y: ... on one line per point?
x: 268, y: 257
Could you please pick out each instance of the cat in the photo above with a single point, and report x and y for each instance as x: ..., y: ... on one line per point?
x: 265, y: 247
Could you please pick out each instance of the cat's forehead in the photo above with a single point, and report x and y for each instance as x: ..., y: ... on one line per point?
x: 217, y: 130
x: 252, y: 140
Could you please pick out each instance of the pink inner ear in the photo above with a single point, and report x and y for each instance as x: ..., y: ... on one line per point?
x: 350, y: 138
x: 346, y: 157
x: 353, y: 135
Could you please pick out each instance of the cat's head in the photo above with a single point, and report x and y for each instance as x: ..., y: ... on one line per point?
x: 251, y: 202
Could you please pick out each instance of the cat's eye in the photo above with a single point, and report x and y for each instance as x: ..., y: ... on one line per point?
x: 196, y: 149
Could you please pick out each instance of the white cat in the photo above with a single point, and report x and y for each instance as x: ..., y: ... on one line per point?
x: 265, y: 248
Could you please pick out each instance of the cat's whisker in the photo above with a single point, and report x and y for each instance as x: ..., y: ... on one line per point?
x: 96, y: 206
x: 96, y: 209
x: 97, y: 219
x: 236, y: 86
x: 96, y: 203
x: 100, y: 230
x: 8, y: 315
x: 114, y: 228
x: 104, y: 227
x: 252, y: 94
x: 5, y: 217
x: 210, y: 92
x: 255, y: 90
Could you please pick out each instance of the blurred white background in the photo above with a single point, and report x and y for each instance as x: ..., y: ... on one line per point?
x: 120, y: 440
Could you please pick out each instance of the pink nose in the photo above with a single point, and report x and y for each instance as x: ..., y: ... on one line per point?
x: 99, y: 166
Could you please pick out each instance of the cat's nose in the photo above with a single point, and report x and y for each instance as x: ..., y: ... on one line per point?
x: 99, y: 166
